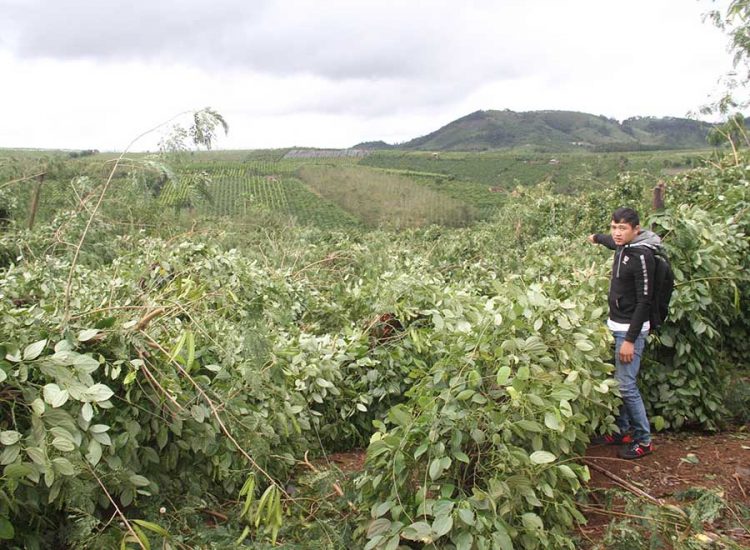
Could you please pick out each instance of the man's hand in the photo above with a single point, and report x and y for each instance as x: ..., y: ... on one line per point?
x: 626, y: 352
x: 590, y: 239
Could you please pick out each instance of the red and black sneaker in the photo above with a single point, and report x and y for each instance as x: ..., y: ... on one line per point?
x: 613, y: 439
x: 637, y: 450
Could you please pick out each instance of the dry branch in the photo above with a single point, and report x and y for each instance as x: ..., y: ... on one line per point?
x: 623, y: 483
x: 146, y: 319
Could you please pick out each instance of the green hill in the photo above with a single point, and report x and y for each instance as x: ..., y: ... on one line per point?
x: 560, y: 131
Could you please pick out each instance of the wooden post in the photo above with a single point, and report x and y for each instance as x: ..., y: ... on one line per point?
x: 659, y: 192
x: 658, y: 202
x: 35, y: 201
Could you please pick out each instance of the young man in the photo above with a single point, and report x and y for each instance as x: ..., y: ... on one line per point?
x: 630, y: 293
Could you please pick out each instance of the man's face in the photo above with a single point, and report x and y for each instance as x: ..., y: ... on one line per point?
x: 622, y: 232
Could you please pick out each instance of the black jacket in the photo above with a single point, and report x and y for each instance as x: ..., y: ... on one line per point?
x: 631, y: 288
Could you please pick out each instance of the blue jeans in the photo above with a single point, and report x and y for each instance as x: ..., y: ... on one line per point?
x: 632, y: 412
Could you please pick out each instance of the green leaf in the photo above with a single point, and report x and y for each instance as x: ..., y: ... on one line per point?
x: 419, y: 531
x: 102, y: 438
x: 6, y: 529
x: 466, y: 515
x: 63, y: 444
x: 37, y: 405
x: 436, y: 468
x: 466, y: 394
x: 566, y: 471
x: 462, y: 457
x: 381, y: 509
x: 94, y: 454
x: 37, y: 455
x: 85, y: 364
x: 98, y: 392
x: 142, y: 537
x: 371, y: 544
x: 9, y: 454
x: 437, y: 321
x: 659, y: 423
x: 158, y: 529
x: 551, y: 421
x: 3, y: 375
x: 392, y: 543
x: 34, y: 350
x: 323, y: 383
x: 10, y: 437
x: 126, y: 496
x: 63, y: 466
x: 198, y: 412
x: 463, y: 541
x: 87, y: 412
x: 378, y: 527
x: 500, y: 538
x: 529, y: 426
x: 54, y: 396
x: 532, y: 522
x: 584, y: 345
x: 442, y: 525
x: 503, y: 373
x: 139, y: 480
x: 17, y: 471
x: 399, y: 416
x: 88, y: 334
x: 542, y: 457
x: 13, y: 355
x: 99, y: 428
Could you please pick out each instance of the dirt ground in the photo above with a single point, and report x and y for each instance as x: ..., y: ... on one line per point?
x: 681, y: 461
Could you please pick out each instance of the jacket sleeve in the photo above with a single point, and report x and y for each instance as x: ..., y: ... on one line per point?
x: 605, y: 240
x: 643, y: 266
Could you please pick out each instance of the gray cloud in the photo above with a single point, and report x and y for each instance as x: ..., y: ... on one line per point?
x: 336, y: 39
x: 346, y: 67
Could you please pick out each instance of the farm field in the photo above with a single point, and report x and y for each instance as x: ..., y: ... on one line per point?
x: 568, y: 171
x: 234, y: 349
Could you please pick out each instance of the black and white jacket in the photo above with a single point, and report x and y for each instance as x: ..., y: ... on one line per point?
x: 631, y: 285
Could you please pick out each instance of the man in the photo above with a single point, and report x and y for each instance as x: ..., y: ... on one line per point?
x: 630, y: 293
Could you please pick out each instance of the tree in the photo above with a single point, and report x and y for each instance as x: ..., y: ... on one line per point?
x: 732, y: 131
x: 188, y: 189
x: 735, y: 22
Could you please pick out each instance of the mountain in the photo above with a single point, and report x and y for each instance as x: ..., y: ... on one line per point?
x: 559, y: 131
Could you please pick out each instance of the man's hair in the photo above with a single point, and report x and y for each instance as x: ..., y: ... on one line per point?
x: 626, y: 215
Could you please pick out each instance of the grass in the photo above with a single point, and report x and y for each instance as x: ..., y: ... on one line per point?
x: 382, y: 199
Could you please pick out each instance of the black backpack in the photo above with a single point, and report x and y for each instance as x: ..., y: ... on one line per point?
x: 663, y: 287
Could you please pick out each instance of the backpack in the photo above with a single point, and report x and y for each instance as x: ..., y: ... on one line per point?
x: 663, y: 287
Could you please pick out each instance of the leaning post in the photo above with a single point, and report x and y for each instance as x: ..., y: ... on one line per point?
x: 35, y: 201
x: 659, y: 192
x: 658, y: 199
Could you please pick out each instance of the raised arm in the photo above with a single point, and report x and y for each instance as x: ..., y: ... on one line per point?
x: 603, y: 239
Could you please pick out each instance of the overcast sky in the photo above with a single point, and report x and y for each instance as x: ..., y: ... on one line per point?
x: 332, y: 73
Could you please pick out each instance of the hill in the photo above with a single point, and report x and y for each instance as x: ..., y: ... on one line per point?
x: 561, y: 131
